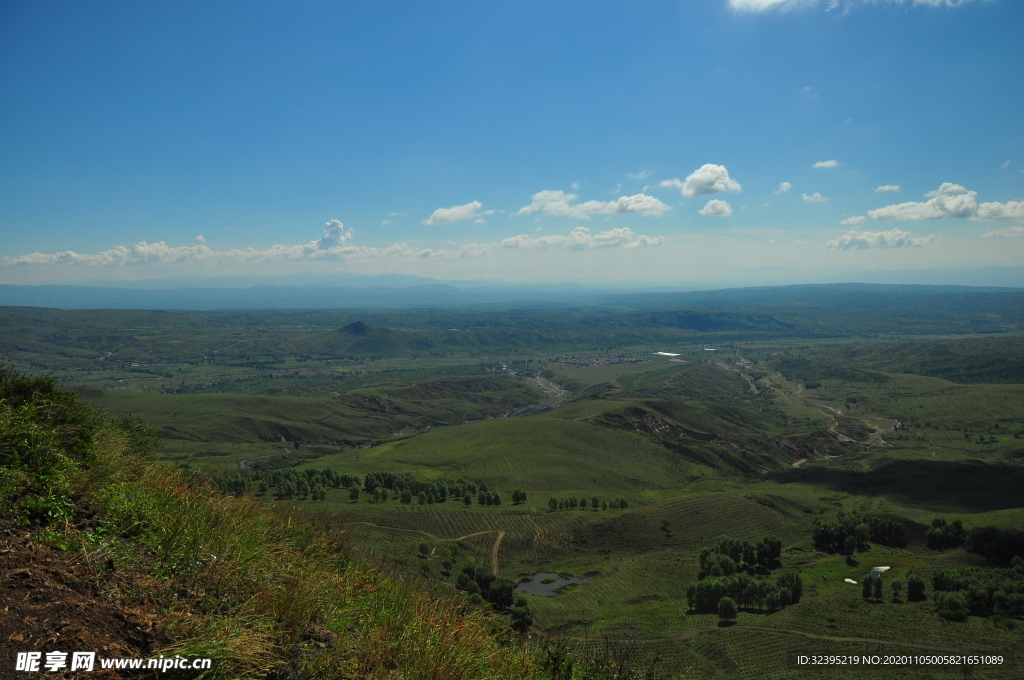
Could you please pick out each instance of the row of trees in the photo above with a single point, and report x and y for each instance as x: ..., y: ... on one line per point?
x: 848, y: 531
x: 872, y: 587
x: 595, y: 503
x: 981, y: 591
x: 745, y: 591
x: 378, y: 486
x: 998, y: 545
x: 731, y: 554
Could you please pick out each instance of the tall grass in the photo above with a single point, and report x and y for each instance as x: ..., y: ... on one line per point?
x: 264, y: 591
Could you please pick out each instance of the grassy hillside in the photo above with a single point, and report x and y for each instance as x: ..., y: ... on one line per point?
x: 537, y: 453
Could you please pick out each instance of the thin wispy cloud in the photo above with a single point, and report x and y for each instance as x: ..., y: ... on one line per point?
x: 582, y: 238
x: 760, y: 6
x: 643, y: 174
x: 853, y: 221
x: 894, y: 238
x: 888, y: 187
x: 558, y: 203
x: 1005, y: 232
x: 784, y: 187
x: 334, y: 245
x: 814, y: 198
x: 827, y: 164
x: 707, y: 179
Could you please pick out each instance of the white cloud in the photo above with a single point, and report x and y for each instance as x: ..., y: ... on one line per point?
x: 574, y: 186
x: 455, y: 213
x: 947, y: 189
x: 560, y: 204
x: 815, y: 198
x: 1000, y: 211
x: 894, y: 238
x: 949, y: 200
x: 1005, y: 164
x: 199, y: 240
x: 827, y: 164
x: 581, y: 238
x: 385, y: 223
x: 784, y: 187
x: 716, y: 208
x: 766, y: 5
x: 397, y: 214
x: 333, y: 246
x: 888, y: 187
x: 707, y: 179
x: 643, y: 174
x: 479, y: 220
x: 808, y: 92
x: 617, y: 189
x: 786, y: 5
x: 1009, y: 232
x: 853, y: 221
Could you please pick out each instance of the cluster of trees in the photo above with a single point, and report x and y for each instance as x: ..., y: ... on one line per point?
x: 944, y: 534
x: 518, y: 497
x: 979, y: 591
x: 848, y: 531
x: 484, y: 587
x: 998, y: 545
x: 582, y: 503
x: 731, y: 554
x: 745, y: 591
x: 725, y: 588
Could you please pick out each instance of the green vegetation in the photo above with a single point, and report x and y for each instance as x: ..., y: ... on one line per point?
x: 711, y: 508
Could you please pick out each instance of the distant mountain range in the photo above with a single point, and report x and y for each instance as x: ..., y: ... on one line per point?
x: 428, y: 293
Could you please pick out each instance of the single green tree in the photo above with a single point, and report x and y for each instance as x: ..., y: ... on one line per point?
x: 867, y: 587
x: 353, y: 494
x: 878, y: 588
x: 897, y: 589
x: 467, y: 500
x: 727, y: 609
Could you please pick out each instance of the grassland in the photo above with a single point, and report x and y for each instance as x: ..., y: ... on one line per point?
x: 789, y: 420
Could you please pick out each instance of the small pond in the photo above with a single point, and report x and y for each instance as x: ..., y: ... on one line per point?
x: 546, y: 583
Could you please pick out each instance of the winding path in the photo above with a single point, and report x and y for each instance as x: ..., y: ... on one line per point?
x: 494, y: 548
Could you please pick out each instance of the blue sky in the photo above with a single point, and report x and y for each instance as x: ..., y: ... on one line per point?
x: 656, y: 142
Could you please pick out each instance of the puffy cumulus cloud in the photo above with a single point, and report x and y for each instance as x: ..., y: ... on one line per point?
x: 581, y: 238
x: 716, y: 208
x: 947, y: 189
x: 1006, y: 232
x: 853, y: 221
x: 199, y: 240
x: 888, y: 187
x: 707, y: 179
x: 784, y: 187
x: 1000, y: 211
x: 827, y: 164
x: 560, y: 204
x: 767, y: 5
x: 949, y: 200
x: 894, y: 238
x: 456, y: 213
x: 334, y: 245
x: 815, y: 198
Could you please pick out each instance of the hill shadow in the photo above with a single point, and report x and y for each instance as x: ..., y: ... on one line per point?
x: 971, y: 486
